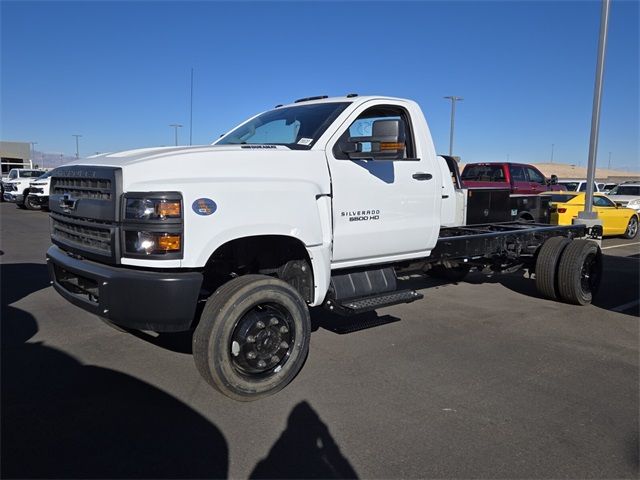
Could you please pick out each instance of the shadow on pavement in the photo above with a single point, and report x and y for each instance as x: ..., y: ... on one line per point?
x: 620, y: 283
x: 305, y: 449
x: 63, y: 419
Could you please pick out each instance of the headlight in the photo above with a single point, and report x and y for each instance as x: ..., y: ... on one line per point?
x: 152, y: 225
x: 149, y: 243
x: 152, y: 209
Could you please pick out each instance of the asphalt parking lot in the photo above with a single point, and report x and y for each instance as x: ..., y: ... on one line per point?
x: 479, y: 379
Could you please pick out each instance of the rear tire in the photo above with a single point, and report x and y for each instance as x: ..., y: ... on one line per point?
x: 580, y: 272
x: 632, y: 228
x: 547, y: 266
x: 31, y: 204
x: 253, y: 337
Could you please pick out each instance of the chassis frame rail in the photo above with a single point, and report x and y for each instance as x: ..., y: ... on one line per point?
x: 509, y: 240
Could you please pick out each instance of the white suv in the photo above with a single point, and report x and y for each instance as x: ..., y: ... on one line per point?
x: 576, y: 185
x: 627, y: 195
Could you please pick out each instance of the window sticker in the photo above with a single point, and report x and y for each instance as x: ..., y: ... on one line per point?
x: 305, y: 141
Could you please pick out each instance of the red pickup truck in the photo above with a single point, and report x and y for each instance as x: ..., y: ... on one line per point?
x: 518, y: 177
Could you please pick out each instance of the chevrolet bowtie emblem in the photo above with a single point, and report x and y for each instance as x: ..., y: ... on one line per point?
x: 67, y: 203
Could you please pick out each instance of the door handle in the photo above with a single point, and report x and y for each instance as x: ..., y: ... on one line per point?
x: 422, y: 176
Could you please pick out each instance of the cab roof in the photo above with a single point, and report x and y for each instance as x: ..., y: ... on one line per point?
x: 350, y: 98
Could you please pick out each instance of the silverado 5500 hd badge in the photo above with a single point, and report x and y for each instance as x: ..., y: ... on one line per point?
x: 361, y: 215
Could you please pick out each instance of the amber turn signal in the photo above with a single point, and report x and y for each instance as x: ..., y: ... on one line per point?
x: 391, y: 146
x: 168, y: 209
x: 169, y: 243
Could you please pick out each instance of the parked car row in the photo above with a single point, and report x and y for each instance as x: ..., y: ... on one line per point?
x: 27, y: 188
x: 618, y: 210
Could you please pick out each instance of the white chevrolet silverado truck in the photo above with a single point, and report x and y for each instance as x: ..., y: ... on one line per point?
x: 322, y: 202
x: 38, y: 195
x: 16, y: 187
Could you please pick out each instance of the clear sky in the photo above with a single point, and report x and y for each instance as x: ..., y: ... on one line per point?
x: 119, y: 73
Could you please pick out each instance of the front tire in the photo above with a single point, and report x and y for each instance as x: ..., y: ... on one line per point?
x: 580, y: 272
x: 253, y: 337
x: 31, y: 203
x: 632, y: 228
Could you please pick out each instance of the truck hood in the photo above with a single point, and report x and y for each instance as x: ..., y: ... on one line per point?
x: 175, y: 168
x: 130, y: 157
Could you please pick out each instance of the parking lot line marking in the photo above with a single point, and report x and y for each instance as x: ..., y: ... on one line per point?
x: 623, y: 245
x: 626, y: 306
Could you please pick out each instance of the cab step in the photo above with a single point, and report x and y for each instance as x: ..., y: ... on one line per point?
x: 355, y: 306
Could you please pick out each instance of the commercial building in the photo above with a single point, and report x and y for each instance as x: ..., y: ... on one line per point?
x: 14, y: 155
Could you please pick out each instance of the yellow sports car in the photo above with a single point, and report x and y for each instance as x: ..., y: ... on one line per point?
x: 616, y: 220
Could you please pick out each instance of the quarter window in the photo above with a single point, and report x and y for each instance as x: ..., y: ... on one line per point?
x: 517, y: 174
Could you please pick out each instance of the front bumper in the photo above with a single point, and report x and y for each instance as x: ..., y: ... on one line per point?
x: 13, y: 197
x: 138, y: 299
x: 41, y: 200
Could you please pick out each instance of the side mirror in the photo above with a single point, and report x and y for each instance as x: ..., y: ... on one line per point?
x: 387, y: 142
x: 618, y: 204
x: 553, y: 180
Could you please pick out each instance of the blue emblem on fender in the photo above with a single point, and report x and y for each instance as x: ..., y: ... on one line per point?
x: 204, y: 206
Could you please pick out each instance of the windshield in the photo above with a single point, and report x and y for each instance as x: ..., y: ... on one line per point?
x: 626, y: 190
x: 483, y: 173
x: 295, y: 127
x: 44, y: 177
x: 571, y: 186
x: 31, y: 173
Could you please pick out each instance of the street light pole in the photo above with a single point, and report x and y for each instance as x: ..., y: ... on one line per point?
x: 588, y: 213
x: 609, y: 165
x: 453, y: 99
x: 552, y: 145
x: 33, y: 151
x: 77, y: 145
x: 176, y: 126
x: 191, y: 112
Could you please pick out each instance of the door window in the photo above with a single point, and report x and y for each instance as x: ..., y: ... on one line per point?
x: 535, y: 176
x: 603, y: 202
x: 362, y: 130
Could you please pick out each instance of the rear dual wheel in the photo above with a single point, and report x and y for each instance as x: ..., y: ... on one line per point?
x: 569, y: 270
x: 253, y: 337
x: 547, y: 266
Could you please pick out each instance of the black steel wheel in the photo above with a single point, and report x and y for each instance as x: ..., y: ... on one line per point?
x: 253, y: 337
x: 632, y: 228
x: 547, y: 263
x: 580, y: 272
x: 31, y: 203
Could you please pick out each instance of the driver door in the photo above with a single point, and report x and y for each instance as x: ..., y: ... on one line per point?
x: 383, y: 210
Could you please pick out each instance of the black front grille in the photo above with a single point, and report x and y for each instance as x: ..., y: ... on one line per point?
x: 95, y: 188
x: 82, y: 236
